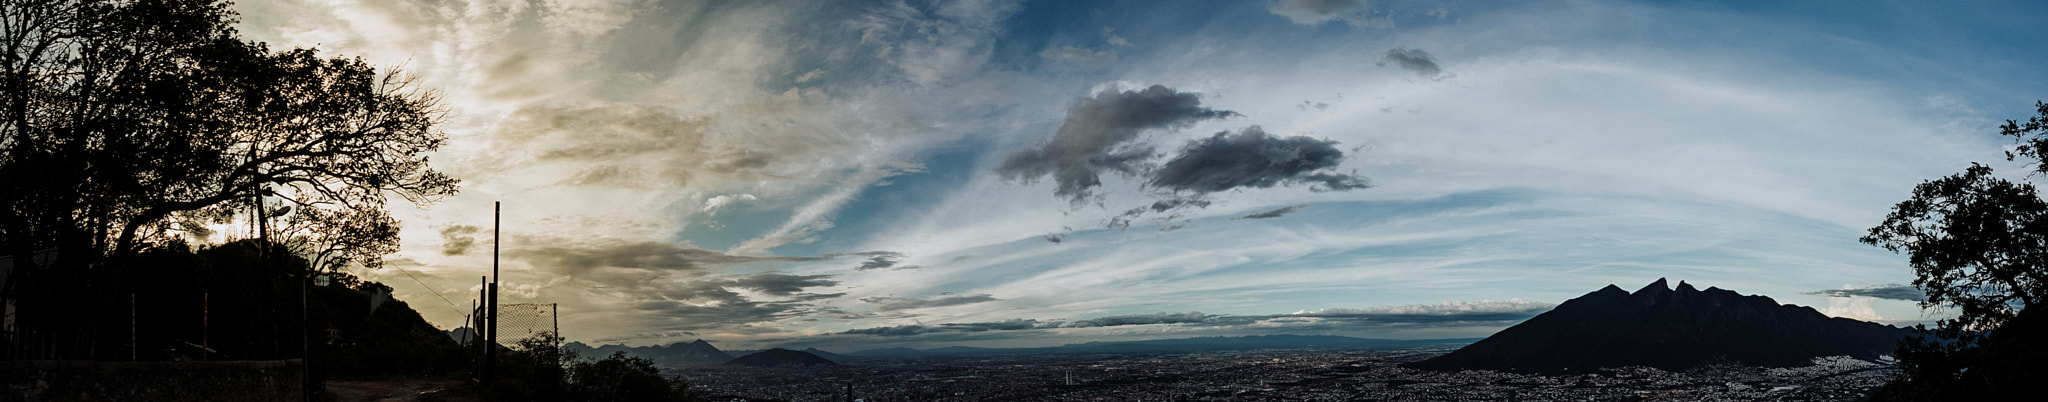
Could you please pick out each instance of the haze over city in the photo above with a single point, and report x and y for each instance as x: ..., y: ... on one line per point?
x: 857, y: 175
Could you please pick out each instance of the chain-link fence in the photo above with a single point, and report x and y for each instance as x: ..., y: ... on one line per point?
x: 520, y: 322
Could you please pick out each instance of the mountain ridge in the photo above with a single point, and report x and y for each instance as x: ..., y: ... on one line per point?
x: 1670, y: 329
x: 779, y: 357
x: 695, y: 353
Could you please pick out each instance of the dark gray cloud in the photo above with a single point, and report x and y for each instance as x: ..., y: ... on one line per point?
x: 572, y: 259
x: 457, y: 239
x: 1178, y: 203
x: 1274, y: 213
x: 1174, y: 205
x: 721, y: 290
x: 1141, y: 319
x: 782, y: 284
x: 920, y: 329
x: 1098, y: 136
x: 1894, y: 292
x: 1415, y: 61
x: 683, y: 315
x: 905, y: 303
x: 1312, y: 12
x: 883, y: 260
x: 1250, y: 158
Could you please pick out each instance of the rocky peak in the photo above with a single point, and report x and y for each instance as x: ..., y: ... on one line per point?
x: 1671, y: 330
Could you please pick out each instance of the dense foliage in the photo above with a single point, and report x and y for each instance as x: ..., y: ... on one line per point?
x: 127, y: 125
x: 230, y: 302
x: 1977, y: 243
x: 540, y: 369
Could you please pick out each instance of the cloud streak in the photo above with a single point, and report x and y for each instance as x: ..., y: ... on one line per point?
x: 1273, y: 213
x: 921, y: 329
x: 1140, y: 319
x: 1080, y: 57
x: 1312, y: 12
x: 570, y: 258
x: 1447, y: 314
x: 1893, y: 292
x: 882, y: 260
x: 887, y: 304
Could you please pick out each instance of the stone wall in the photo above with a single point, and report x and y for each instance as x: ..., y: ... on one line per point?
x: 45, y: 380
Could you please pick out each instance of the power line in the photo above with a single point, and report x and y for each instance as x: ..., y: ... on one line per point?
x: 423, y: 284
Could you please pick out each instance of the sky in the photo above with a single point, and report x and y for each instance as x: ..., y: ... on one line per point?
x: 856, y: 175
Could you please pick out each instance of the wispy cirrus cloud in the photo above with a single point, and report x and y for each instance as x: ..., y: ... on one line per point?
x: 1312, y: 12
x: 885, y: 304
x: 737, y: 163
x: 1490, y: 312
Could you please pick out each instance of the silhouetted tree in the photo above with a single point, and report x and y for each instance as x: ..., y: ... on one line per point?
x: 620, y: 377
x: 1977, y: 243
x: 126, y: 122
x: 538, y: 368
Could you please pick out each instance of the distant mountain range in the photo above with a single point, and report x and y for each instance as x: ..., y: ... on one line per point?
x: 698, y: 353
x: 1680, y: 329
x: 1171, y: 346
x: 780, y: 357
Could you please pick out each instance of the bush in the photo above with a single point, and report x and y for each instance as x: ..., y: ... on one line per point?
x: 540, y: 369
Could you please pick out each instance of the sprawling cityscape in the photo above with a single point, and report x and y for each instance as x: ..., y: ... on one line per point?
x: 1290, y: 375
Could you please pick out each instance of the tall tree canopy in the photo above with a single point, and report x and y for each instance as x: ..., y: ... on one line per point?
x: 1975, y: 241
x: 127, y: 122
x: 1978, y: 243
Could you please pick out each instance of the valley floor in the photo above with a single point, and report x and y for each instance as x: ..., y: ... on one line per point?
x: 1294, y: 375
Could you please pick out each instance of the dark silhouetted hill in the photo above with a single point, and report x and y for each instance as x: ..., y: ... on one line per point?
x: 696, y: 353
x: 1671, y: 330
x: 780, y: 357
x: 834, y: 357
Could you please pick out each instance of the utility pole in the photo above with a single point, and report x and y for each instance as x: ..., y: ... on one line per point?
x: 483, y: 319
x: 491, y: 348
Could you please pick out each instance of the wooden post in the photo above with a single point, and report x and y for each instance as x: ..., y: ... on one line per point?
x: 483, y: 316
x: 491, y: 347
x: 131, y: 326
x: 205, y: 324
x: 491, y: 344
